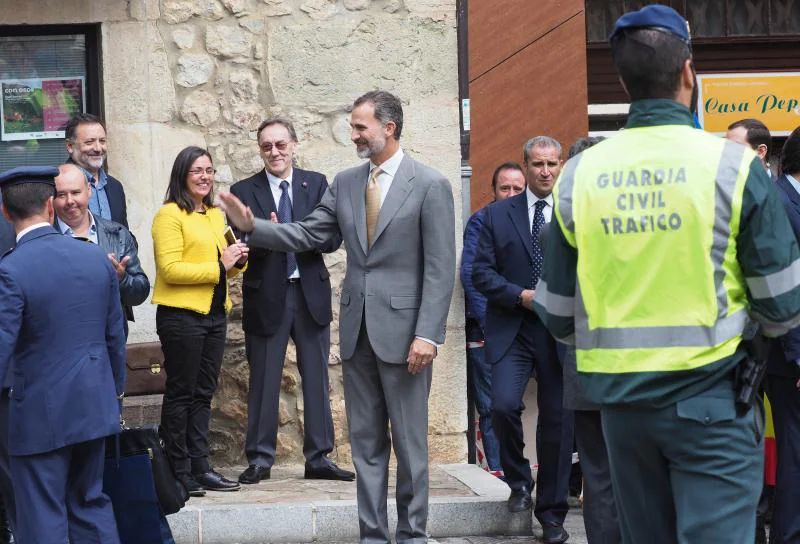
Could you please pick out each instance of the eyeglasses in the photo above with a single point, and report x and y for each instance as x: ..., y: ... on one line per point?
x: 200, y: 171
x: 266, y: 147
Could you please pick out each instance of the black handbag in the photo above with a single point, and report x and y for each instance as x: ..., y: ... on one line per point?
x: 170, y: 492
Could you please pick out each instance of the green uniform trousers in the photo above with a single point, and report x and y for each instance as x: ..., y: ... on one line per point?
x: 688, y: 473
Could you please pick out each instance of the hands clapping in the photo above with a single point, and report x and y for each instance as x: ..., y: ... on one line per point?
x: 235, y: 254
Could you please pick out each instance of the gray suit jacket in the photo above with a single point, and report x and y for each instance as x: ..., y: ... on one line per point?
x: 402, y: 286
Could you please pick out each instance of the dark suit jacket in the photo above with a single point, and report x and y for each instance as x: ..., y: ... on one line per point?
x: 786, y: 349
x: 502, y: 269
x: 264, y: 285
x: 8, y: 239
x: 61, y: 323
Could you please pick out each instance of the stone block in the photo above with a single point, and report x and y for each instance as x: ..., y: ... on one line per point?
x: 448, y: 448
x: 244, y: 86
x: 185, y: 526
x: 256, y: 26
x: 277, y: 8
x: 337, y: 521
x: 258, y: 524
x: 200, y: 108
x: 137, y: 78
x: 356, y: 5
x: 235, y: 6
x: 227, y: 40
x: 305, y: 62
x: 183, y: 37
x: 466, y: 516
x: 437, y: 10
x: 180, y: 11
x: 144, y: 10
x: 194, y: 69
x: 62, y: 11
x: 320, y: 9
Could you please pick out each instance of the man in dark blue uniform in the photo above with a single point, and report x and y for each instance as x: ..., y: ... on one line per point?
x: 7, y: 241
x: 61, y: 323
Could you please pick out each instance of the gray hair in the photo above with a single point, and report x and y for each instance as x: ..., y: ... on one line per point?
x: 540, y: 141
x: 387, y: 108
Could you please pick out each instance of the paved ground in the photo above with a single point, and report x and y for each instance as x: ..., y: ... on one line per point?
x: 287, y: 485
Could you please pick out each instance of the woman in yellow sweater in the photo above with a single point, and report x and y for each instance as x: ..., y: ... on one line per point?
x: 193, y: 262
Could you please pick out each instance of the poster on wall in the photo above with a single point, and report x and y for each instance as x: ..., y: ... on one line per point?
x: 771, y: 97
x: 39, y: 108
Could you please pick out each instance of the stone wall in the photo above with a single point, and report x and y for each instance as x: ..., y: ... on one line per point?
x: 206, y: 72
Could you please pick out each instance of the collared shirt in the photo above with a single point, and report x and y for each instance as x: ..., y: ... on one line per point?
x: 99, y: 204
x: 794, y: 182
x: 388, y: 170
x: 25, y: 231
x: 67, y: 230
x: 532, y: 200
x: 275, y: 187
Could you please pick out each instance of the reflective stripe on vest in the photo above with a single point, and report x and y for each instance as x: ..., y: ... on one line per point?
x: 648, y: 298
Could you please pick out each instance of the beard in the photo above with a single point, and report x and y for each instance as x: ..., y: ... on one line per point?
x: 372, y: 148
x: 93, y: 162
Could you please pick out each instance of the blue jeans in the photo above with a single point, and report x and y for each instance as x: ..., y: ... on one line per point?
x: 482, y: 393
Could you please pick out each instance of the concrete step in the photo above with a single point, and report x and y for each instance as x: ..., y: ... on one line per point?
x: 465, y: 501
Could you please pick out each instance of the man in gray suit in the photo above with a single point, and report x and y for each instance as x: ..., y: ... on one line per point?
x: 397, y: 221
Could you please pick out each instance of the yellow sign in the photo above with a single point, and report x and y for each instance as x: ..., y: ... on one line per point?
x: 771, y: 97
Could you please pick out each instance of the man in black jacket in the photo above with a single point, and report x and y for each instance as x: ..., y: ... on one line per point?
x: 87, y: 147
x: 286, y: 295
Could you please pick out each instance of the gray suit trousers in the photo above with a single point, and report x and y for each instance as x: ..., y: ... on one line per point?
x: 376, y: 394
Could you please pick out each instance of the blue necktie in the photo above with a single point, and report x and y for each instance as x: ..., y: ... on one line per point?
x: 538, y: 260
x: 285, y: 216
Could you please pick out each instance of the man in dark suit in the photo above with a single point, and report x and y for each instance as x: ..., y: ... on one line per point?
x: 87, y: 147
x: 783, y: 375
x: 507, y: 266
x: 62, y: 326
x: 7, y: 504
x: 286, y: 295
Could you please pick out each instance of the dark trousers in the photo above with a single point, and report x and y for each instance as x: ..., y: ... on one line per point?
x: 266, y: 356
x: 482, y: 394
x: 690, y: 472
x: 376, y: 395
x: 193, y: 345
x: 534, y: 349
x: 6, y: 489
x: 785, y: 400
x: 599, y: 509
x: 61, y: 495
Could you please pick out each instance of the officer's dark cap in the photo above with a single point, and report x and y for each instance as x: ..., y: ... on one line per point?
x: 656, y: 17
x: 29, y: 174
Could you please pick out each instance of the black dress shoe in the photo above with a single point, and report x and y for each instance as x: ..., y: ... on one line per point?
x: 214, y: 481
x: 254, y: 474
x: 520, y: 500
x: 329, y: 472
x: 193, y: 489
x: 554, y: 534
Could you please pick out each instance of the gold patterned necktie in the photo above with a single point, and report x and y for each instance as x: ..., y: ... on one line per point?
x: 373, y: 201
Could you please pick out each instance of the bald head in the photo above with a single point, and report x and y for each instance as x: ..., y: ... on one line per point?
x: 72, y: 196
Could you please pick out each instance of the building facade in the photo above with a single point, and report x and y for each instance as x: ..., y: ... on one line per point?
x: 165, y: 74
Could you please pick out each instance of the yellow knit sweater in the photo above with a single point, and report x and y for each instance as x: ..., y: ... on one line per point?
x: 187, y: 263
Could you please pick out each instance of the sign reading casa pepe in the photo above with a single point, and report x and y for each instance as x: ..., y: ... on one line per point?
x: 771, y: 97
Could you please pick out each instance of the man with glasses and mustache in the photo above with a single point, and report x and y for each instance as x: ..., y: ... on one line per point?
x: 85, y: 139
x: 286, y: 295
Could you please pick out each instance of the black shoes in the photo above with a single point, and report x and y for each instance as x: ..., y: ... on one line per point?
x: 214, y: 481
x: 554, y: 534
x: 520, y: 500
x: 193, y: 489
x: 254, y: 474
x: 329, y: 472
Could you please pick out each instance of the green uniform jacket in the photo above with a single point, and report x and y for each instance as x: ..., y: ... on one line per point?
x: 766, y: 245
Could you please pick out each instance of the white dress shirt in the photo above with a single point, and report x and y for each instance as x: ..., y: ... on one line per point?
x: 91, y: 236
x: 25, y: 231
x: 388, y: 170
x: 532, y: 200
x: 275, y: 187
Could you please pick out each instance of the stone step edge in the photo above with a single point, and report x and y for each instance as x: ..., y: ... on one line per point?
x: 337, y: 521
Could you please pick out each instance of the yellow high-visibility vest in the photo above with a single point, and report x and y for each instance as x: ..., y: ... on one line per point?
x: 654, y: 214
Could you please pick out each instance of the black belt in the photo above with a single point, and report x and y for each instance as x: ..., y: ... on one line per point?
x: 292, y: 280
